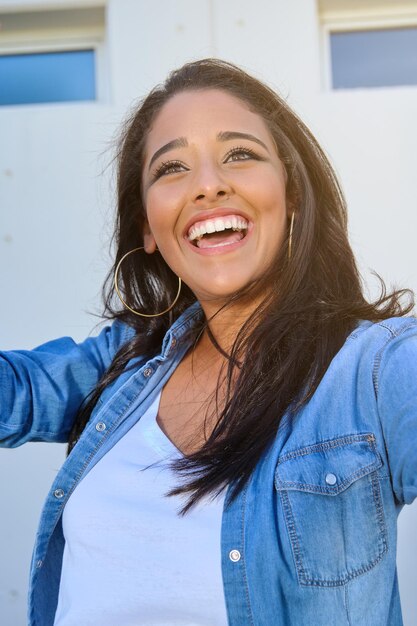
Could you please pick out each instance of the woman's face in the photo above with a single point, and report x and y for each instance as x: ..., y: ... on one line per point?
x: 214, y: 192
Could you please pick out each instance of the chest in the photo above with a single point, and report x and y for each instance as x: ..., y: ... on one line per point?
x: 189, y: 407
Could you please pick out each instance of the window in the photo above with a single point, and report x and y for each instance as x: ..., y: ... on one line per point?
x: 47, y: 77
x: 51, y: 56
x: 369, y: 44
x: 374, y: 58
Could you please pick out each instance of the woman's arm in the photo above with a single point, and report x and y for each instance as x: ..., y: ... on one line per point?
x: 42, y: 389
x: 395, y: 381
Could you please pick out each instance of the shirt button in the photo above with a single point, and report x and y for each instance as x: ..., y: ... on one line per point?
x: 100, y: 426
x: 147, y: 372
x: 59, y: 493
x: 331, y: 479
x: 234, y: 555
x: 173, y: 342
x: 39, y: 564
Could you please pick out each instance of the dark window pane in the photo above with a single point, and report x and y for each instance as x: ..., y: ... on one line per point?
x: 374, y: 58
x: 47, y: 77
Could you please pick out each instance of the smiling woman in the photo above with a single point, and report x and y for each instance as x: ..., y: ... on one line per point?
x: 244, y: 433
x: 215, y: 199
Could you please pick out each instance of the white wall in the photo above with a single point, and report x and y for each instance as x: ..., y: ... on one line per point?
x: 56, y: 204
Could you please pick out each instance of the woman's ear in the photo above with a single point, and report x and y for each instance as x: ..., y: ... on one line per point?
x: 149, y: 242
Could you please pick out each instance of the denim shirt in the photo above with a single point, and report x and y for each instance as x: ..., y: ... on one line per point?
x: 312, y: 537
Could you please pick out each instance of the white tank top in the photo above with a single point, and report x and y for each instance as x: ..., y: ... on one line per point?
x: 129, y: 558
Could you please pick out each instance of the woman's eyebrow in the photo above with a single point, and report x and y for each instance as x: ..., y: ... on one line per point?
x: 226, y: 135
x: 231, y: 134
x: 180, y: 142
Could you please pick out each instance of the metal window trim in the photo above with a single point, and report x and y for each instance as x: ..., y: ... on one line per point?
x: 26, y: 6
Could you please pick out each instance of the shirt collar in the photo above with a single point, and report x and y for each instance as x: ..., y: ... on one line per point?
x: 187, y: 321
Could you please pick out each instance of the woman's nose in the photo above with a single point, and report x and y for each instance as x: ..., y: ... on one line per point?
x: 210, y: 185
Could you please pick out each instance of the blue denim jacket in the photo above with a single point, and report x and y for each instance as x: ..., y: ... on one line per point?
x: 312, y: 538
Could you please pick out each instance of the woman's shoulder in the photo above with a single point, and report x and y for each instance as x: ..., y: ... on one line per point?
x: 372, y: 346
x: 388, y: 346
x: 119, y: 334
x: 384, y: 332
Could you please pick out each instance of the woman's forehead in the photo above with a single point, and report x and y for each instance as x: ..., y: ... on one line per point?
x: 203, y: 113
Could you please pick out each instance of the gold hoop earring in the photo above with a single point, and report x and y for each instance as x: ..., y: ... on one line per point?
x: 116, y: 276
x: 290, y: 236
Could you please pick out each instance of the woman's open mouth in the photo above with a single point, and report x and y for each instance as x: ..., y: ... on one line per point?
x: 218, y: 231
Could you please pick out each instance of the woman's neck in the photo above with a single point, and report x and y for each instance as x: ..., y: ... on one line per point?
x: 224, y: 325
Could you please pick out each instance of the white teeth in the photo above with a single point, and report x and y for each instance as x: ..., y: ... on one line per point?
x: 218, y: 224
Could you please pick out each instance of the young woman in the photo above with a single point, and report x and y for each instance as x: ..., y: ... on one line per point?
x: 243, y: 436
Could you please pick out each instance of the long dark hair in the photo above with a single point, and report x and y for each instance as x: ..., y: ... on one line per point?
x: 314, y: 299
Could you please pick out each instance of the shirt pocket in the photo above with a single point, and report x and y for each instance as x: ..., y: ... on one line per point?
x: 333, y: 510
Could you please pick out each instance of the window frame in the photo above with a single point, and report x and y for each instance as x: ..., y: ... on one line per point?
x: 372, y: 16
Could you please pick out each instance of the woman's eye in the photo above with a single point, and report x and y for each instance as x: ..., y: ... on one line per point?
x: 241, y: 154
x: 169, y: 167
